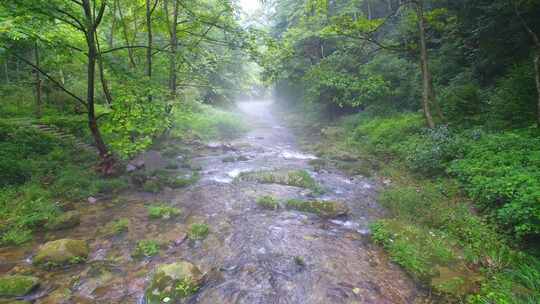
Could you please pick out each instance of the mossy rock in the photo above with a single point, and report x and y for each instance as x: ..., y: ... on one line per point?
x: 62, y: 252
x: 455, y: 282
x: 66, y: 220
x: 17, y: 285
x: 268, y: 202
x: 324, y: 209
x: 295, y: 178
x: 173, y: 282
x: 152, y: 186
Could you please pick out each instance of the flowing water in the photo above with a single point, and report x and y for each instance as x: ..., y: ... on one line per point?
x: 251, y: 255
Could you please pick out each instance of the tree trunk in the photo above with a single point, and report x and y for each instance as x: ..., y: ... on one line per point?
x: 537, y: 74
x: 91, y: 76
x: 427, y: 81
x: 149, y: 11
x: 150, y: 38
x: 126, y: 36
x: 104, y: 84
x: 174, y: 45
x: 6, y: 69
x: 38, y: 82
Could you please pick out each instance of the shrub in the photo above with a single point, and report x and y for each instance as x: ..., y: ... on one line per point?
x: 431, y: 152
x: 384, y: 134
x: 502, y: 173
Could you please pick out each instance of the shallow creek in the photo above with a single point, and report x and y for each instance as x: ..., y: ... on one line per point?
x: 251, y: 255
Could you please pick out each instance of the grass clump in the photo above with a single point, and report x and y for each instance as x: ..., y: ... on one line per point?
x: 198, y: 231
x: 116, y: 227
x: 268, y: 202
x: 162, y: 211
x: 146, y: 249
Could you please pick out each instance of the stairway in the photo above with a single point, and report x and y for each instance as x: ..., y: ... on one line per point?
x: 56, y: 132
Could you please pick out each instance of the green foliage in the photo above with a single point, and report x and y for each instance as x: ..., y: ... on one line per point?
x: 419, y: 251
x: 162, y: 211
x: 133, y: 122
x: 185, y: 288
x: 385, y: 134
x: 116, y: 227
x: 194, y: 120
x: 514, y: 99
x: 146, y: 249
x: 431, y: 151
x: 198, y: 231
x: 500, y: 171
x: 268, y: 202
x: 330, y: 81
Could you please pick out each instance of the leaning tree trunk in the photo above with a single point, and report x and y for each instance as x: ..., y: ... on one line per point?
x: 107, y: 160
x: 427, y: 81
x: 39, y: 101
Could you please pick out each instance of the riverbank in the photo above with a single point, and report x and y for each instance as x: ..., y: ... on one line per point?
x: 434, y: 230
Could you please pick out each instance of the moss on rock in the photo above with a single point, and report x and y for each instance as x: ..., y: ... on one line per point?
x: 295, y: 178
x: 173, y: 282
x: 65, y: 220
x: 325, y: 209
x: 17, y: 285
x: 268, y: 202
x: 62, y: 252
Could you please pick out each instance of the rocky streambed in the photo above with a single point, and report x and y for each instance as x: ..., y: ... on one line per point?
x: 245, y: 221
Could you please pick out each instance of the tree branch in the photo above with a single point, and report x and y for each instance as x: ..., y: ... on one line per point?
x: 56, y: 82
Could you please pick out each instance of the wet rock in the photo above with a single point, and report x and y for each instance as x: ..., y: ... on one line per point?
x: 153, y: 161
x: 61, y: 252
x: 59, y: 296
x: 214, y: 145
x: 66, y: 220
x: 130, y: 168
x: 17, y: 285
x: 324, y: 209
x: 173, y: 282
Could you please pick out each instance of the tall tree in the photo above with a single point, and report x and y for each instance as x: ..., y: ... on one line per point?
x: 536, y: 55
x: 173, y: 41
x: 428, y: 95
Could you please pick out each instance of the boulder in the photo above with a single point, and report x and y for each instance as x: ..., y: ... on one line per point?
x: 62, y: 252
x: 66, y: 220
x: 173, y: 282
x: 17, y: 285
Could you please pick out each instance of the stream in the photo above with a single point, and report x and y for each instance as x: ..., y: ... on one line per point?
x: 251, y: 255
